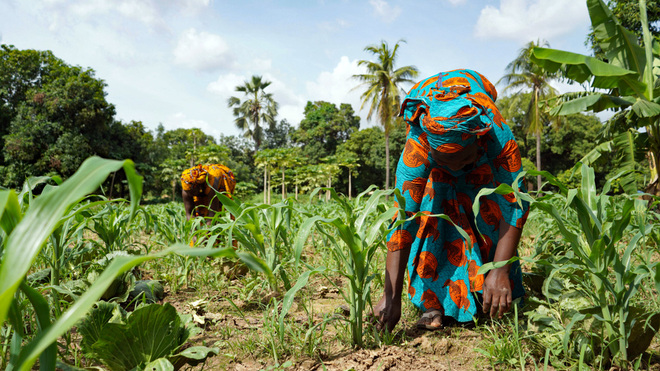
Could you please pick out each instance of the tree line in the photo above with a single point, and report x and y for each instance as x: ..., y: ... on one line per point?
x: 54, y: 115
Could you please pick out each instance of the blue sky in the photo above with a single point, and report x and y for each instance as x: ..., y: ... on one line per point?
x: 176, y: 62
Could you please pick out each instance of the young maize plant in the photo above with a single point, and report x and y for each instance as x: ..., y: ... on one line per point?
x: 604, y: 239
x: 24, y: 236
x: 362, y: 228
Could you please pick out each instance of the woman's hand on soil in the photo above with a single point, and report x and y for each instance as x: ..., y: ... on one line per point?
x: 497, y: 292
x: 388, y: 313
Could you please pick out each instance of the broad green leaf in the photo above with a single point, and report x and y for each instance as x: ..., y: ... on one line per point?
x: 91, y: 326
x: 151, y: 332
x: 581, y: 68
x: 596, y: 102
x: 645, y: 108
x: 44, y: 214
x: 197, y: 353
x: 619, y: 45
x: 161, y: 364
x: 80, y: 307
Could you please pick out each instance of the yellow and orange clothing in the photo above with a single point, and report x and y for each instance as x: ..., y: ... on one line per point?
x: 202, y: 181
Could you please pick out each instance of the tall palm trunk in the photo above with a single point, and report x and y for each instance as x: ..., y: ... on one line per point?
x: 349, y: 183
x: 538, y: 160
x: 537, y: 118
x: 387, y: 160
x: 283, y: 186
x: 266, y: 184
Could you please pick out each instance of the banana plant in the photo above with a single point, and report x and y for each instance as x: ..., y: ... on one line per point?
x: 629, y: 79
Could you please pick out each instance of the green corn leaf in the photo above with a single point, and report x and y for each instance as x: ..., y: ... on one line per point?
x: 79, y: 309
x: 44, y: 214
x: 287, y: 301
x: 10, y: 211
x: 42, y: 310
x: 370, y: 207
x: 588, y: 186
x: 494, y: 265
x: 375, y: 230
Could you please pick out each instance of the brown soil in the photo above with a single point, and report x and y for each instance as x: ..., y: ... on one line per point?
x: 451, y: 348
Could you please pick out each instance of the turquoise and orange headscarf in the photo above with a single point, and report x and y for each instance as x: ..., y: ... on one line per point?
x: 453, y: 108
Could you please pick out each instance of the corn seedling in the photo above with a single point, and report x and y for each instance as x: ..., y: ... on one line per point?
x: 603, y: 242
x: 361, y: 228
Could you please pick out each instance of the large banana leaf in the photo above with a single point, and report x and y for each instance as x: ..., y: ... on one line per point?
x: 628, y: 67
x: 581, y: 68
x: 585, y: 101
x: 619, y: 45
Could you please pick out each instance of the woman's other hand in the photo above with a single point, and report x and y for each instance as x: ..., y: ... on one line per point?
x: 497, y: 292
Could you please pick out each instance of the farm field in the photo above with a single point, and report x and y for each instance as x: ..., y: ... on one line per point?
x: 103, y: 268
x: 287, y: 296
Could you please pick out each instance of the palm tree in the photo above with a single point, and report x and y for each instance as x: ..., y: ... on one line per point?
x: 257, y: 108
x: 383, y: 90
x: 522, y: 73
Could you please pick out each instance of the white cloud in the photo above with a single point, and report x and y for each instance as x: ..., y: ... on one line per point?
x: 202, y: 51
x: 457, y: 2
x: 260, y: 65
x: 291, y: 105
x: 152, y: 13
x: 333, y: 26
x: 525, y: 20
x: 226, y: 85
x: 180, y: 120
x: 385, y: 11
x: 281, y: 92
x: 335, y: 86
x: 338, y: 86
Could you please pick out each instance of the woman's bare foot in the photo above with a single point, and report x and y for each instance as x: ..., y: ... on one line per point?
x: 430, y: 320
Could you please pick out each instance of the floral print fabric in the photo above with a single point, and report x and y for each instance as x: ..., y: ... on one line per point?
x: 442, y: 269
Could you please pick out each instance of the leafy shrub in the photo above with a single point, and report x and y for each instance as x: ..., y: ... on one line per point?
x: 151, y: 334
